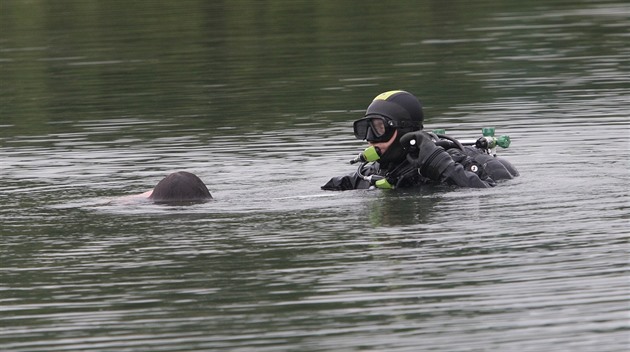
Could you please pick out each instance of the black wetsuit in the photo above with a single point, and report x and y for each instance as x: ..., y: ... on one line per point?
x: 472, y: 167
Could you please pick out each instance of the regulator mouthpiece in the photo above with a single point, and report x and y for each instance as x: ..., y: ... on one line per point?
x: 370, y: 154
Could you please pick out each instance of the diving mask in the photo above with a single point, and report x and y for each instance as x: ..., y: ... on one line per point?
x: 378, y: 128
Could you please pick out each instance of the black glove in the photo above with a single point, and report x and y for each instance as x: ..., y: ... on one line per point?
x: 432, y: 161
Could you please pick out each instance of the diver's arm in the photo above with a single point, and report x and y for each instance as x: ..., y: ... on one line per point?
x: 494, y: 167
x: 455, y: 174
x: 352, y: 181
x: 436, y: 164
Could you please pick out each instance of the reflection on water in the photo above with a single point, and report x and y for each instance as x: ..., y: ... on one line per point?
x: 93, y: 111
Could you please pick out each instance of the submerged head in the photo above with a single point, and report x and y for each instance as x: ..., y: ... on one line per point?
x: 180, y: 187
x: 390, y: 115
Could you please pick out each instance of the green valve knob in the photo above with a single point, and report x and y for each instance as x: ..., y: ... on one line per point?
x: 503, y: 141
x: 488, y: 131
x: 439, y: 131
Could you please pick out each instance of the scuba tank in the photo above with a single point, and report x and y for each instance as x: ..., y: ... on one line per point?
x: 486, y: 144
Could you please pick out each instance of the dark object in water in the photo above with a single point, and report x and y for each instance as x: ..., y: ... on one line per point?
x: 180, y: 187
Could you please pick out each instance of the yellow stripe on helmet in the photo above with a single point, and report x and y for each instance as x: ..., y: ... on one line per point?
x: 386, y: 95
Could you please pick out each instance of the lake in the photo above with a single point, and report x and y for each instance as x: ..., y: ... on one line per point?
x: 101, y: 100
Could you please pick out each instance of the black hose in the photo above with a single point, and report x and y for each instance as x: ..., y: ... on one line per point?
x: 440, y: 142
x: 361, y: 168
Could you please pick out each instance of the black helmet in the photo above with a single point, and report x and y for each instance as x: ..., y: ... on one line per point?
x: 180, y: 187
x: 390, y: 111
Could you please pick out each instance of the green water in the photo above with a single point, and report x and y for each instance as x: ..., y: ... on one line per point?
x: 101, y: 99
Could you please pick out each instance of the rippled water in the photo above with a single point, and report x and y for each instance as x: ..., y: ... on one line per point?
x: 538, y: 263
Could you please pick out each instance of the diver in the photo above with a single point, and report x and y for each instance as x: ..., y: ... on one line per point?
x: 180, y: 187
x: 401, y: 154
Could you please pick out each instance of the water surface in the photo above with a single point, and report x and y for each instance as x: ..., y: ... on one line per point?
x: 100, y: 101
